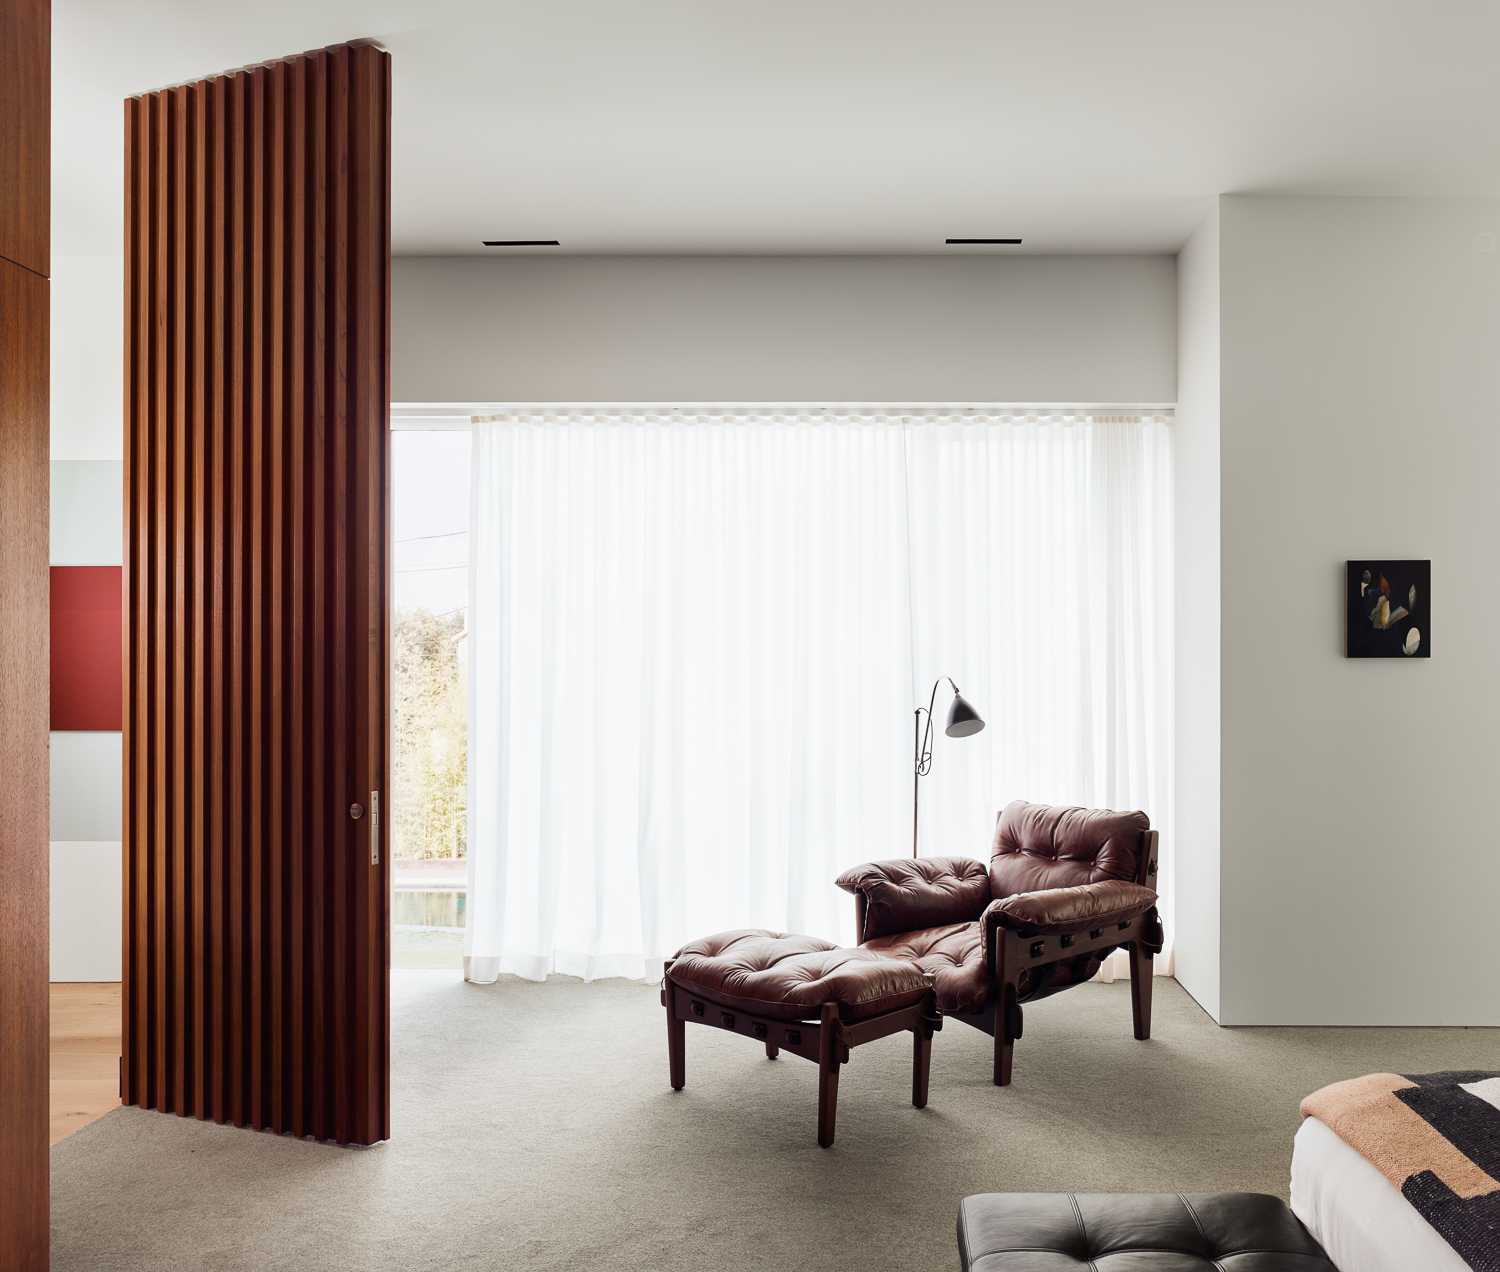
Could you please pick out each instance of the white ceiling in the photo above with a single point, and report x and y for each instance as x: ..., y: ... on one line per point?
x: 833, y: 126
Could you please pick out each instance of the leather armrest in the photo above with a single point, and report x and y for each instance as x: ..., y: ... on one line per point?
x: 1074, y: 909
x: 906, y: 894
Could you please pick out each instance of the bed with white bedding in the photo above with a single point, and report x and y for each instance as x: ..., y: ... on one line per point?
x: 1355, y: 1212
x: 1401, y: 1172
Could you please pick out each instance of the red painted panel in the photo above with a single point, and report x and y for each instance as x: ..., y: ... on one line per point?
x: 86, y: 647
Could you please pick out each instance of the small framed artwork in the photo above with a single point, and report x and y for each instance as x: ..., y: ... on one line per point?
x: 1389, y: 609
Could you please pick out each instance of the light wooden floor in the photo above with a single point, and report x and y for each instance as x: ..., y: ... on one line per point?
x: 85, y: 1055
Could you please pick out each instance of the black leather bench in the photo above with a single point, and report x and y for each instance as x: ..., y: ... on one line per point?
x: 1185, y: 1232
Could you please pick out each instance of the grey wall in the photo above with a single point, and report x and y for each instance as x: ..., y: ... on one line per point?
x: 1360, y: 408
x: 1195, y: 516
x: 796, y: 329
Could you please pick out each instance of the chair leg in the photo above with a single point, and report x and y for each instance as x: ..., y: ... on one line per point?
x: 676, y: 1042
x: 772, y: 1051
x: 1003, y: 1050
x: 921, y: 1064
x: 1140, y: 990
x: 1007, y: 1030
x: 828, y: 1073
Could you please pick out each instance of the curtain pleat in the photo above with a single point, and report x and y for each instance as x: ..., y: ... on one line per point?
x: 696, y: 638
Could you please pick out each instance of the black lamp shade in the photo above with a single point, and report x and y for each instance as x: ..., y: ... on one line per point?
x: 963, y: 720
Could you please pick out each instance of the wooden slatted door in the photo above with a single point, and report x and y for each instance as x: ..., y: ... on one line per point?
x: 257, y: 248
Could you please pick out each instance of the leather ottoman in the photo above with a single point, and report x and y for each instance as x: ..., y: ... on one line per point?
x: 802, y: 995
x: 1134, y: 1232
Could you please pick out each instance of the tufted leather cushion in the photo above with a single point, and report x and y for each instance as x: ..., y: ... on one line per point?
x: 1126, y: 1232
x: 953, y: 955
x: 920, y: 892
x: 791, y: 977
x: 1070, y: 909
x: 1040, y: 846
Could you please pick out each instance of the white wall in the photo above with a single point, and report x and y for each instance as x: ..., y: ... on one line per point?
x: 794, y: 329
x: 85, y: 911
x: 1360, y: 418
x: 1195, y: 516
x: 88, y: 356
x: 87, y: 481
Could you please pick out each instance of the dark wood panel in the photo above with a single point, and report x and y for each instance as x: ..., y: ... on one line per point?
x: 25, y: 133
x: 23, y: 762
x: 25, y: 105
x: 257, y: 399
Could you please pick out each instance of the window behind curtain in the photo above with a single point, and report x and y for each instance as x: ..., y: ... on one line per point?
x: 696, y: 637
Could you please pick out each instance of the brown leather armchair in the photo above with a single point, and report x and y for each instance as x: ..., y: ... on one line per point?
x: 1064, y: 888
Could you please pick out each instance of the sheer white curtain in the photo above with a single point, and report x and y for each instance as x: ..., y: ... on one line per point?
x: 696, y: 637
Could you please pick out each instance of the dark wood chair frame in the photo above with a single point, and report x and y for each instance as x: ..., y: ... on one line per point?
x: 1010, y: 953
x: 825, y: 1041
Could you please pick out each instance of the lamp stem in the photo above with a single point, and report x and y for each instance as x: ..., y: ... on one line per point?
x: 922, y: 752
x: 916, y: 778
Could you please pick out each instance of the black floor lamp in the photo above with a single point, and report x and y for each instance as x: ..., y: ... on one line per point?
x: 963, y: 721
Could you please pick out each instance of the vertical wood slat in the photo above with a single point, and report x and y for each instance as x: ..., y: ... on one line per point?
x: 274, y: 506
x: 260, y: 422
x: 159, y: 615
x: 235, y: 355
x: 217, y: 438
x: 339, y: 544
x: 127, y: 611
x: 181, y: 975
x: 371, y: 117
x: 298, y: 666
x: 200, y: 407
x: 257, y: 394
x: 319, y: 795
x: 137, y: 734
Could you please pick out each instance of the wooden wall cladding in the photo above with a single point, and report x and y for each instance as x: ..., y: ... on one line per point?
x: 25, y: 133
x: 23, y: 767
x: 257, y: 208
x: 25, y: 103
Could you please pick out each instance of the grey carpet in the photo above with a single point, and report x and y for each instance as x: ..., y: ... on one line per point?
x: 534, y: 1129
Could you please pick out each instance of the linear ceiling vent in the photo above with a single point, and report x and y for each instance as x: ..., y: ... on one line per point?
x: 521, y: 243
x: 975, y: 242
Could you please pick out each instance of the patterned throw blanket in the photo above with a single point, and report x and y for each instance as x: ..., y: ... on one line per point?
x: 1436, y: 1137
